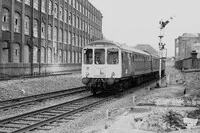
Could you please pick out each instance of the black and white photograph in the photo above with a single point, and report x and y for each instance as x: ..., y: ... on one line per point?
x: 100, y: 66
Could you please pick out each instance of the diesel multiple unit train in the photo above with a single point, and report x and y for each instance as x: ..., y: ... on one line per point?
x: 109, y: 66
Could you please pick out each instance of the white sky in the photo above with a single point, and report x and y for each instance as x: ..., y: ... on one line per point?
x: 137, y: 21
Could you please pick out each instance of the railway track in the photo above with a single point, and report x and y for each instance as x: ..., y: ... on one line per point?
x: 31, y: 100
x: 47, y: 118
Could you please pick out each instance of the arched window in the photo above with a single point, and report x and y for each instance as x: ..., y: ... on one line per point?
x: 42, y: 55
x: 60, y: 35
x: 50, y: 32
x: 61, y: 13
x: 73, y: 55
x: 35, y: 28
x: 28, y: 2
x: 44, y: 6
x: 64, y: 57
x: 26, y: 54
x: 16, y: 53
x: 35, y: 53
x: 80, y: 57
x: 50, y: 7
x: 26, y: 25
x: 55, y: 33
x: 77, y: 57
x: 69, y: 37
x: 43, y: 30
x: 60, y: 56
x: 17, y: 22
x: 49, y: 55
x: 56, y: 10
x: 5, y: 52
x: 69, y: 57
x: 5, y: 19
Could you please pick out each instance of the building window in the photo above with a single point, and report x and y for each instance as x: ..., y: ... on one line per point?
x: 80, y: 40
x: 50, y: 7
x: 69, y: 37
x: 56, y: 11
x: 43, y: 55
x: 19, y: 1
x: 65, y: 37
x: 35, y: 28
x: 61, y: 13
x: 27, y: 54
x: 50, y: 32
x: 80, y: 58
x: 16, y: 53
x: 60, y: 56
x: 73, y: 38
x: 77, y: 22
x: 49, y: 55
x: 26, y: 25
x: 64, y: 57
x: 74, y: 3
x: 74, y: 20
x: 70, y: 18
x: 69, y: 57
x: 73, y: 59
x: 44, y: 6
x: 35, y: 53
x: 16, y: 22
x: 5, y: 52
x: 77, y: 38
x: 55, y: 33
x: 28, y: 2
x: 5, y: 20
x: 43, y: 30
x: 35, y: 4
x: 65, y: 15
x: 70, y: 2
x: 77, y: 57
x: 60, y: 35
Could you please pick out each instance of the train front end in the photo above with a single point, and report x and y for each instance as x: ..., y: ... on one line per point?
x: 101, y: 67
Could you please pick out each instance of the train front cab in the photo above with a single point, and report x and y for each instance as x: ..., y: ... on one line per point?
x: 100, y: 67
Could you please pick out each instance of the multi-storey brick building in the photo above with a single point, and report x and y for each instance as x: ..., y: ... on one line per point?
x: 185, y: 44
x: 45, y: 35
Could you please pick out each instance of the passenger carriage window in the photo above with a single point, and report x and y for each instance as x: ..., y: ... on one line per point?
x: 113, y: 56
x: 88, y: 56
x: 99, y: 56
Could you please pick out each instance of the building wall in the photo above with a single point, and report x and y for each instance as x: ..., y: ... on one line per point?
x: 27, y: 38
x: 184, y: 46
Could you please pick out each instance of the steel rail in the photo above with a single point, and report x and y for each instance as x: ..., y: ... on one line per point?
x: 66, y: 109
x: 5, y: 105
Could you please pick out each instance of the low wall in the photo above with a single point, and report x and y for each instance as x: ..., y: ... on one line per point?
x: 19, y: 69
x: 188, y: 63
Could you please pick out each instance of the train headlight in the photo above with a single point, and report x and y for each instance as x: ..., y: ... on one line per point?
x: 113, y: 74
x: 87, y: 74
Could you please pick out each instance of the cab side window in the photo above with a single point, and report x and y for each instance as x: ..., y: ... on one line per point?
x: 112, y: 56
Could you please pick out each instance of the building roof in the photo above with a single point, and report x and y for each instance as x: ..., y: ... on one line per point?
x: 148, y: 48
x: 190, y: 35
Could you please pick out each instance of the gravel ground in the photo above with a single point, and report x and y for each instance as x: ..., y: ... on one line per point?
x: 25, y: 87
x: 121, y: 110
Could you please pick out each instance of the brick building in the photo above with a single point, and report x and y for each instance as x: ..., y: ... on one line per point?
x: 40, y: 36
x: 185, y: 44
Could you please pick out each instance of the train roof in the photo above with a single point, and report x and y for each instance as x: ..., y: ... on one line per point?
x: 121, y: 46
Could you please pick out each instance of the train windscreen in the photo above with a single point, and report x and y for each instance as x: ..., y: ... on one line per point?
x: 99, y: 56
x: 113, y: 56
x: 88, y: 59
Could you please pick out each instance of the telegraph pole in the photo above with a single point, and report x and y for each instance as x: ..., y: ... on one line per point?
x: 161, y: 46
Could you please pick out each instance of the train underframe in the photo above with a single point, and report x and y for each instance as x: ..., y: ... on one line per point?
x: 113, y: 85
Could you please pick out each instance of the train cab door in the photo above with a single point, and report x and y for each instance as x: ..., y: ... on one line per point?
x: 99, y: 63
